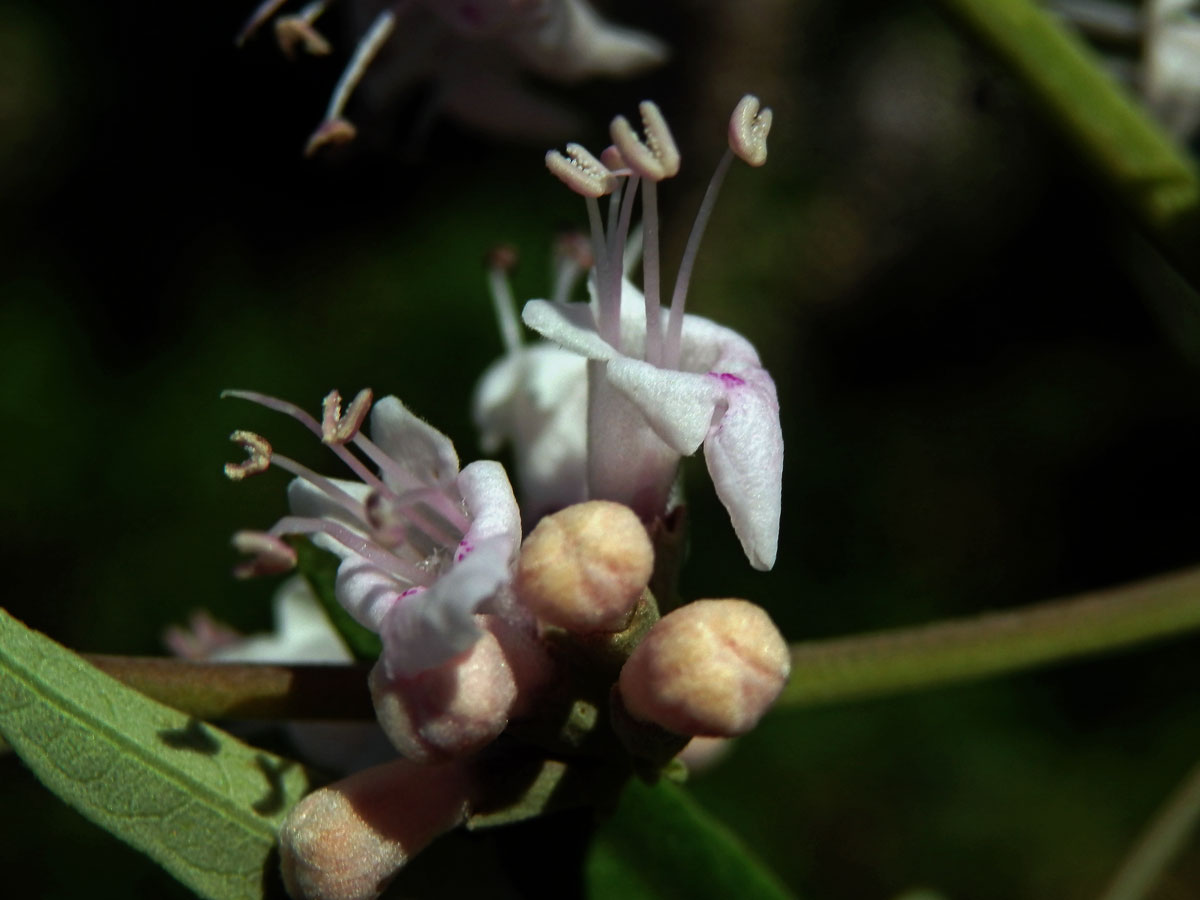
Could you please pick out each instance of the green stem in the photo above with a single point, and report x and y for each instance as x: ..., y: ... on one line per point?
x: 1161, y: 843
x: 1146, y: 168
x: 906, y: 659
x: 245, y: 690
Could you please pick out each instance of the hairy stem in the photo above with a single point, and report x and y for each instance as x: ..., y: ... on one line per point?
x: 1162, y: 841
x: 246, y: 690
x: 906, y: 659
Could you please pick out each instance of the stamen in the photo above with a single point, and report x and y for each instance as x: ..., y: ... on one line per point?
x: 656, y: 158
x: 439, y: 497
x: 599, y: 252
x: 335, y: 129
x: 291, y: 409
x: 338, y: 429
x: 265, y: 10
x: 573, y: 256
x: 323, y: 484
x: 271, y: 556
x: 296, y: 31
x: 650, y: 275
x: 748, y: 129
x: 402, y: 518
x: 500, y: 261
x: 612, y: 158
x: 608, y: 276
x: 258, y: 456
x: 332, y: 133
x: 356, y: 543
x: 444, y: 513
x: 674, y: 342
x: 581, y: 171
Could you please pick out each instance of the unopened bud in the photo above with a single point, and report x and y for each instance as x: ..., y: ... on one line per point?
x: 712, y: 668
x: 584, y: 568
x: 348, y: 840
x: 462, y: 705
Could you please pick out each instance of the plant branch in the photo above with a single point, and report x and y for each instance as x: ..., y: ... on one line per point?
x: 907, y: 659
x: 1162, y: 841
x: 1145, y: 167
x: 210, y: 690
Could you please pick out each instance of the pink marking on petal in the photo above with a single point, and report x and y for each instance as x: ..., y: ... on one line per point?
x: 412, y: 591
x: 464, y: 548
x: 728, y: 379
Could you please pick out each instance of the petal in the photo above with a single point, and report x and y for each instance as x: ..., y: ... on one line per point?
x: 744, y: 453
x: 364, y: 591
x: 570, y: 325
x: 493, y: 405
x: 627, y: 462
x: 707, y: 346
x: 679, y: 406
x: 575, y: 43
x: 307, y: 500
x: 412, y: 442
x: 493, y: 508
x: 302, y: 632
x: 426, y: 629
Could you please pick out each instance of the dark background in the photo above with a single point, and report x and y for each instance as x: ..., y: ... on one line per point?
x: 988, y: 383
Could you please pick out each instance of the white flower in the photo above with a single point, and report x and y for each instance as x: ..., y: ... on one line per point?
x: 662, y: 383
x: 535, y: 397
x: 423, y: 546
x: 474, y: 53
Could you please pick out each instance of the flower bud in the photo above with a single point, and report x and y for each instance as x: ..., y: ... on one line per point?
x: 712, y: 668
x: 348, y: 840
x: 584, y: 568
x: 462, y: 705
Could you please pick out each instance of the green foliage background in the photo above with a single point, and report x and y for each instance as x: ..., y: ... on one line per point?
x: 988, y: 382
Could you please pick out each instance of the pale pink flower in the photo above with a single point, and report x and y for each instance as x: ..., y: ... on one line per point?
x: 424, y: 546
x: 662, y: 383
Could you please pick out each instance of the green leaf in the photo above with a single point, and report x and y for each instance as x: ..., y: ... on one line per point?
x: 660, y: 844
x: 199, y: 802
x: 319, y: 568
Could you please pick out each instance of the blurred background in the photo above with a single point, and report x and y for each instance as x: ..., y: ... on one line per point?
x: 989, y: 384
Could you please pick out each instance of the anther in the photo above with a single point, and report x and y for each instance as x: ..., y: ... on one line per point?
x: 269, y: 555
x: 293, y: 32
x: 655, y: 158
x: 575, y: 247
x: 503, y: 257
x: 612, y: 158
x: 748, y: 129
x: 581, y: 171
x: 337, y: 428
x: 258, y: 456
x: 331, y: 132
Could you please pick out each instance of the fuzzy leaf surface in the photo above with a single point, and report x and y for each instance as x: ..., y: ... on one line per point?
x: 196, y: 800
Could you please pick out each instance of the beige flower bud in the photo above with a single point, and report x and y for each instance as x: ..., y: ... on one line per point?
x: 711, y: 668
x: 348, y: 840
x: 462, y: 705
x: 584, y: 568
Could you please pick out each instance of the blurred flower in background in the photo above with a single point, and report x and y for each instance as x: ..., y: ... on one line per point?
x: 473, y: 53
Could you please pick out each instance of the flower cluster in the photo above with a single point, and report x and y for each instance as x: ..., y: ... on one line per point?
x: 555, y: 638
x: 473, y: 52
